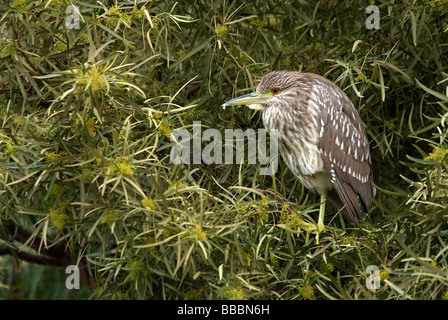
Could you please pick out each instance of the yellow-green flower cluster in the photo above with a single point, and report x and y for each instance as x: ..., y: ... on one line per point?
x: 262, y: 207
x: 9, y: 146
x: 126, y: 18
x: 247, y: 257
x: 164, y: 128
x: 149, y: 203
x: 92, y: 76
x: 153, y: 249
x: 346, y: 39
x: 176, y: 185
x: 391, y: 126
x: 307, y: 292
x: 86, y: 174
x: 134, y: 264
x: 308, y: 273
x: 273, y: 21
x: 57, y: 4
x: 438, y: 154
x: 98, y: 161
x: 264, y: 203
x: 198, y: 234
x: 362, y: 77
x: 242, y: 208
x: 233, y: 293
x: 180, y: 53
x: 54, y: 156
x: 433, y: 261
x: 7, y: 49
x: 192, y: 115
x: 20, y: 5
x: 328, y: 267
x: 175, y: 219
x: 121, y: 167
x: 192, y: 294
x: 445, y: 295
x: 84, y: 37
x: 221, y: 30
x: 90, y: 126
x: 384, y: 275
x: 137, y: 268
x: 155, y: 116
x: 293, y: 221
x: 286, y: 49
x: 347, y: 240
x: 60, y: 45
x: 114, y: 11
x: 18, y: 121
x: 138, y: 13
x: 97, y: 81
x: 274, y: 260
x: 122, y: 16
x: 156, y: 23
x: 58, y: 217
x: 109, y: 217
x: 258, y: 23
x: 439, y: 5
x: 58, y: 189
x: 111, y: 14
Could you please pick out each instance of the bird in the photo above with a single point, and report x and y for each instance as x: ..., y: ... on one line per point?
x: 320, y: 137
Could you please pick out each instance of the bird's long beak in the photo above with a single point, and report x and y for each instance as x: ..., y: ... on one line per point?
x: 253, y: 98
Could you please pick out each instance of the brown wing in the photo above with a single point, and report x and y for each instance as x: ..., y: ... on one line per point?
x: 345, y: 151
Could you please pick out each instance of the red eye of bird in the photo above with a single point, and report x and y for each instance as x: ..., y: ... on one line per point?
x: 275, y: 91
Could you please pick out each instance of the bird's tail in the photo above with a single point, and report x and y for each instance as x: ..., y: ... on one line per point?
x: 350, y: 213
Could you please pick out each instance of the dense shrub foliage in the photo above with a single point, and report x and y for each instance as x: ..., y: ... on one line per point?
x: 86, y: 114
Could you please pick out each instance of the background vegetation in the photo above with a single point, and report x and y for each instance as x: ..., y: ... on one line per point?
x: 86, y: 178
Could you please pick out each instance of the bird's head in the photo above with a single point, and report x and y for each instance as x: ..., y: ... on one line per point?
x: 272, y: 88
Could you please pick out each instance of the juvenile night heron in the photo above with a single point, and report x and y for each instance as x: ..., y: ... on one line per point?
x: 321, y: 138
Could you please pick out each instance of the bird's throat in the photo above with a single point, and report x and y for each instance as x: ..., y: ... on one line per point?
x: 256, y: 106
